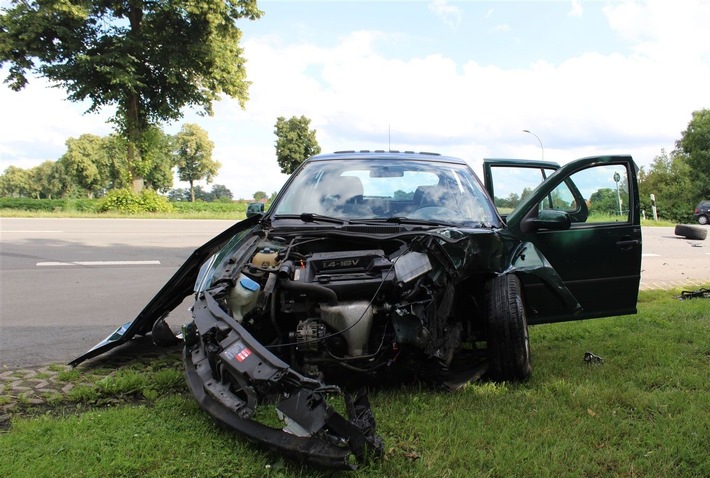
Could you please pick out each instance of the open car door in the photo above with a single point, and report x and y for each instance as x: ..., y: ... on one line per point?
x: 585, y: 219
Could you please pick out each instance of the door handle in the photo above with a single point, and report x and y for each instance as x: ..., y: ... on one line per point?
x: 627, y: 244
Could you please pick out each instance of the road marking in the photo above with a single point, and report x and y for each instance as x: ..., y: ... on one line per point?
x: 32, y: 232
x: 98, y: 263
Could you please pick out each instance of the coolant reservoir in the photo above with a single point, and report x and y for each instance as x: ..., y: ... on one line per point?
x: 265, y: 258
x: 243, y: 297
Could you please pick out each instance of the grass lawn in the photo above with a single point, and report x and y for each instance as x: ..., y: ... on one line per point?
x: 644, y: 412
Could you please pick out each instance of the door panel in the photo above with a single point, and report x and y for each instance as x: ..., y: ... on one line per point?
x: 599, y: 256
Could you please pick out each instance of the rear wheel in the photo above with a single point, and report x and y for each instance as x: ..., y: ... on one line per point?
x: 703, y: 219
x: 508, y: 342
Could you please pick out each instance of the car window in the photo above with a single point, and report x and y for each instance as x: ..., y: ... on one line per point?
x: 596, y: 194
x: 512, y: 184
x: 399, y: 188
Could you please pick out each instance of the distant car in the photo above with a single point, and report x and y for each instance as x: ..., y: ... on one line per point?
x: 702, y: 212
x: 255, y: 208
x: 386, y: 266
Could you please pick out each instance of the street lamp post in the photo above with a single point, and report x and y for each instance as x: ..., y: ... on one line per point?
x: 538, y: 138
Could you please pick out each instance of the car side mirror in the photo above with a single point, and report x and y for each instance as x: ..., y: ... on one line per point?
x: 549, y: 219
x: 255, y: 208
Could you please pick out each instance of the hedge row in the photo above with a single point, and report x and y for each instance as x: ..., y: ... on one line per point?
x: 49, y: 205
x: 95, y: 205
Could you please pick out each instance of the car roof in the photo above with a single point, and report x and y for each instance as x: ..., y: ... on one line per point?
x: 382, y: 154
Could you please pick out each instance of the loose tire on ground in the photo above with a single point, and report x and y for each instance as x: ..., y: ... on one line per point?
x: 508, y: 342
x: 691, y: 232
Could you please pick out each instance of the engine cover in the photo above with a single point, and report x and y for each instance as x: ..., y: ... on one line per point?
x: 351, y: 274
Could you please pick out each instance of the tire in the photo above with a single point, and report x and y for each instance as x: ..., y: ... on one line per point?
x: 508, y: 341
x: 691, y: 232
x: 702, y: 220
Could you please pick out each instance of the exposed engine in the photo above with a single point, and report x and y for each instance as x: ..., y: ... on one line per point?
x: 359, y: 307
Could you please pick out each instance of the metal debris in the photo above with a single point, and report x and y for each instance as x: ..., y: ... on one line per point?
x: 695, y: 294
x: 589, y: 357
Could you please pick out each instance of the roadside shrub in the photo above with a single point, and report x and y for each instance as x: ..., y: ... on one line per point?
x: 125, y: 201
x: 151, y: 201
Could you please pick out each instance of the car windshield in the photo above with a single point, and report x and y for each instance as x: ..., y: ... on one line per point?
x: 386, y: 189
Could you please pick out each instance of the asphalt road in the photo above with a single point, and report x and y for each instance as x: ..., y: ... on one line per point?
x: 65, y: 284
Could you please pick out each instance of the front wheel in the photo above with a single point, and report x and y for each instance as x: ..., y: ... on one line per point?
x: 508, y: 341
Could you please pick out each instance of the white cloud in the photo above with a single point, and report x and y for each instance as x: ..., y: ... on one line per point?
x: 664, y: 30
x: 449, y: 14
x: 577, y: 9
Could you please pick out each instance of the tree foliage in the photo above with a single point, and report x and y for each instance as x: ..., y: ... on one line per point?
x: 218, y: 193
x: 15, y: 182
x: 193, y: 156
x: 695, y: 144
x: 669, y: 180
x: 294, y: 142
x: 148, y: 59
x: 87, y: 162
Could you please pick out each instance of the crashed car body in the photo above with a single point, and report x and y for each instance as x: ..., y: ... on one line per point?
x: 385, y: 265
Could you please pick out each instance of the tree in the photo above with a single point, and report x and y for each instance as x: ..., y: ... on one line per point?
x: 193, y: 156
x: 604, y: 201
x: 48, y: 180
x: 669, y: 179
x: 148, y: 59
x: 695, y: 143
x: 259, y: 195
x: 15, y: 182
x: 221, y: 192
x: 294, y: 142
x: 158, y: 159
x: 87, y: 163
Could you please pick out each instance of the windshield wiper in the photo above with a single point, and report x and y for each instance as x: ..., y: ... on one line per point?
x: 311, y: 217
x: 423, y: 222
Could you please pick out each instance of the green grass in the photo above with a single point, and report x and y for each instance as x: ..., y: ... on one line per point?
x: 644, y: 412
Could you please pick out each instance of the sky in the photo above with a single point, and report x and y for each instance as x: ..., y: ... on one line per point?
x: 461, y: 78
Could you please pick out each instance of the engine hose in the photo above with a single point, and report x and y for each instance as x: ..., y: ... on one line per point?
x: 328, y: 295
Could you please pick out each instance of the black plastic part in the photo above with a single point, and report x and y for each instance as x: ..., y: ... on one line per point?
x: 306, y: 449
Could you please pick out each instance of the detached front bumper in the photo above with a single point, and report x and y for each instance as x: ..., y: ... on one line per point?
x: 229, y: 384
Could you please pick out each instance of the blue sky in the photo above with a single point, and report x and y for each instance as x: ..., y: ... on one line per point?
x: 463, y: 78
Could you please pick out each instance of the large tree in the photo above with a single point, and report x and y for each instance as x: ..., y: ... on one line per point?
x: 193, y: 156
x: 294, y: 142
x: 695, y: 143
x: 669, y: 179
x: 149, y: 59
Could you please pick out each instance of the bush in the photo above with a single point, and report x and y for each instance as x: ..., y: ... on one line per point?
x: 125, y: 201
